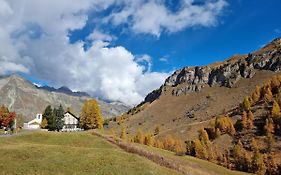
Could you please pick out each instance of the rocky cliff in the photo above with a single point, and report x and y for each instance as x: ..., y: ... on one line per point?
x: 227, y: 73
x: 25, y: 98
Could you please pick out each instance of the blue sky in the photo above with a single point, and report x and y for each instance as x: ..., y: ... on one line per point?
x: 243, y: 27
x: 120, y: 50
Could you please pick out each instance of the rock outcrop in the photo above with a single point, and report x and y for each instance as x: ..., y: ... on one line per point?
x: 227, y: 73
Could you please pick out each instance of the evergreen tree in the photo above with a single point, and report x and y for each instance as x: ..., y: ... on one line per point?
x: 49, y: 116
x: 59, y: 115
x: 91, y: 117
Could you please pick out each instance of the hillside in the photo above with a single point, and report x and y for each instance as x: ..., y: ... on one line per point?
x: 49, y: 152
x: 23, y: 97
x: 192, y: 96
x: 82, y: 153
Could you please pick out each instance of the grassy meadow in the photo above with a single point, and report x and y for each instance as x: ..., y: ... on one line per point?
x: 70, y: 153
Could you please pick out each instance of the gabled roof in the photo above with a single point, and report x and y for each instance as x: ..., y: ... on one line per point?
x: 34, y: 123
x: 72, y: 114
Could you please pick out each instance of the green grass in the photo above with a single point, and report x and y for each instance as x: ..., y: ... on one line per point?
x: 70, y: 153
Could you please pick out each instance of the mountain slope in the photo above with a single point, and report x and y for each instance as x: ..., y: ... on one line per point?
x: 192, y: 96
x: 25, y: 98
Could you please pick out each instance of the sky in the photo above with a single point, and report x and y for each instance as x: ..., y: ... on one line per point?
x: 120, y: 50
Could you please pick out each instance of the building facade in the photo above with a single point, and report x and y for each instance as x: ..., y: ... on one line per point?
x: 71, y: 122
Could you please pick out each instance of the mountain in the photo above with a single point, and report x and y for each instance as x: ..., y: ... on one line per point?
x: 64, y: 90
x: 27, y: 99
x: 192, y: 96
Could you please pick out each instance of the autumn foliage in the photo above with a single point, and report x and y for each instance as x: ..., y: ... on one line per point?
x: 6, y: 117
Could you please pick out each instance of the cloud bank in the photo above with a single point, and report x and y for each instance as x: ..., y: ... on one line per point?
x: 34, y: 37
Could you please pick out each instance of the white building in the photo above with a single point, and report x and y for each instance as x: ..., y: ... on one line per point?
x: 35, y: 123
x: 71, y: 122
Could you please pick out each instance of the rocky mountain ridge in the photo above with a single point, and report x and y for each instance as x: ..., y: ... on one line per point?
x: 27, y: 99
x: 65, y: 90
x: 227, y: 73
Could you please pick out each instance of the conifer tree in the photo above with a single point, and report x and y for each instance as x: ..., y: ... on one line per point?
x: 91, y: 117
x: 272, y: 167
x: 241, y: 157
x: 158, y: 144
x: 204, y: 138
x: 250, y: 117
x: 59, y: 115
x: 217, y: 132
x: 148, y: 140
x: 257, y: 94
x: 179, y: 149
x: 157, y: 130
x: 269, y: 142
x: 269, y: 126
x: 244, y: 120
x: 123, y: 134
x: 268, y: 95
x: 258, y: 166
x: 44, y: 123
x: 190, y: 148
x: 139, y: 138
x: 200, y: 150
x: 169, y: 143
x: 254, y: 145
x: 49, y: 116
x: 274, y: 83
x: 275, y: 112
x: 246, y: 103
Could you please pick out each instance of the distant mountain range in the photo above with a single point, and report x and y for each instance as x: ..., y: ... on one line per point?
x: 25, y: 98
x: 64, y: 90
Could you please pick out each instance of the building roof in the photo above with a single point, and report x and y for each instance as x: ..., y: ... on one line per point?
x: 72, y: 114
x: 34, y: 123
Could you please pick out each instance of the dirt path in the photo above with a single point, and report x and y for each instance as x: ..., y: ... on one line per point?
x: 165, y: 161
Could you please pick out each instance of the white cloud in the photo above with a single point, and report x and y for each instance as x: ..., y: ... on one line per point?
x: 98, y: 35
x: 39, y: 45
x: 153, y: 17
x: 34, y: 37
x: 145, y: 59
x: 164, y: 59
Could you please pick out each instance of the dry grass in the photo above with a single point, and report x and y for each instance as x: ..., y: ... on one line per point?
x: 183, y: 164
